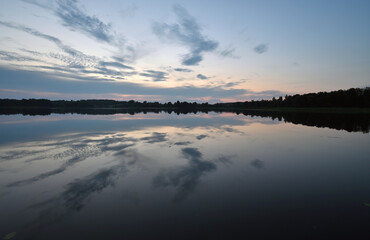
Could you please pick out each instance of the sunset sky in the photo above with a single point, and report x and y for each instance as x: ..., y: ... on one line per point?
x: 182, y: 50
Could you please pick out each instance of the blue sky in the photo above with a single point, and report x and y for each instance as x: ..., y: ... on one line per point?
x: 181, y: 50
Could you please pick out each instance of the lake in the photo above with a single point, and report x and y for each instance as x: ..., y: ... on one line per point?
x: 184, y: 176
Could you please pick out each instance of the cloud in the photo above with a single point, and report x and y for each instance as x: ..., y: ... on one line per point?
x: 258, y: 164
x: 182, y: 143
x: 156, y: 76
x: 76, y: 60
x: 12, y: 56
x: 80, y: 189
x: 75, y: 19
x: 201, y: 76
x: 33, y: 32
x: 115, y: 64
x: 18, y: 154
x: 233, y: 84
x: 185, y: 179
x: 187, y: 32
x: 155, y: 138
x: 55, y: 82
x: 78, y: 151
x: 78, y: 156
x: 261, y: 48
x: 30, y: 52
x: 182, y: 70
x: 74, y: 55
x: 200, y: 137
x: 36, y: 2
x: 228, y: 52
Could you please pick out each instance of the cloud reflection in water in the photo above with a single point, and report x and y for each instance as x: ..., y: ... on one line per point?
x: 185, y: 179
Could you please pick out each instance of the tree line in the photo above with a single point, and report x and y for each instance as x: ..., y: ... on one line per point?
x: 354, y: 97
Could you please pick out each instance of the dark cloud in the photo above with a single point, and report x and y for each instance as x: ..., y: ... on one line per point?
x: 261, y: 48
x: 182, y: 70
x: 52, y: 82
x: 200, y: 137
x: 231, y: 84
x: 115, y: 64
x: 156, y: 137
x: 185, y: 179
x: 156, y: 76
x: 192, y: 59
x: 258, y: 164
x: 182, y: 143
x: 75, y: 196
x: 79, y: 190
x: 228, y: 129
x: 187, y: 32
x: 226, y: 159
x: 75, y: 19
x: 201, y: 76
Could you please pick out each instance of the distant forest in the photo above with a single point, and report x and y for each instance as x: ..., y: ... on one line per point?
x: 351, y: 98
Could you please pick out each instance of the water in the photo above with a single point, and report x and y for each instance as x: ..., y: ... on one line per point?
x: 193, y: 176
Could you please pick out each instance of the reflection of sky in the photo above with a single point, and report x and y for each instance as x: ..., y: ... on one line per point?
x: 32, y: 126
x: 166, y: 170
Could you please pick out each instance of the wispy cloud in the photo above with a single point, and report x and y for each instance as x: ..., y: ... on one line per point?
x: 35, y: 53
x: 228, y: 52
x: 182, y: 70
x: 201, y: 76
x: 36, y: 33
x: 156, y: 76
x: 80, y: 189
x: 76, y: 61
x: 75, y: 19
x: 187, y: 32
x: 12, y: 56
x: 155, y: 138
x: 235, y: 83
x: 77, y: 55
x: 115, y: 64
x: 261, y: 48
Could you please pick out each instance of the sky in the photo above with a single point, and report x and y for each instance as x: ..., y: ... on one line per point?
x: 204, y: 51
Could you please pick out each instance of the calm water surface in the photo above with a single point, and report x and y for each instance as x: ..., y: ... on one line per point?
x: 168, y: 176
